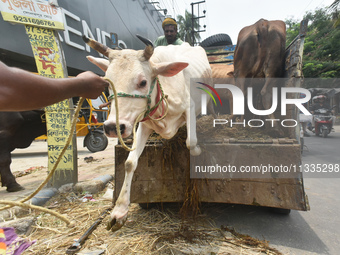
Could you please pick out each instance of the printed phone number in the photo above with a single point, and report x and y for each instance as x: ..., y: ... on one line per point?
x: 319, y: 168
x: 34, y: 21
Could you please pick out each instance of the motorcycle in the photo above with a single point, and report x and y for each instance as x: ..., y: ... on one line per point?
x: 323, y: 122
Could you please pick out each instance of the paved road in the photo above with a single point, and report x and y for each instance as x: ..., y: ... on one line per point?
x: 36, y: 155
x: 313, y: 232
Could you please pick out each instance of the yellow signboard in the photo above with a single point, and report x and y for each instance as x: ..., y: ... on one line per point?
x: 41, y: 19
x: 32, y: 12
x: 45, y: 51
x: 49, y: 61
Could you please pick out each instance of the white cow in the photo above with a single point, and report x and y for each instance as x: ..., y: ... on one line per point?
x: 133, y: 72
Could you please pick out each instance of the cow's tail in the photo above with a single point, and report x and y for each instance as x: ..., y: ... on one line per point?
x: 262, y: 37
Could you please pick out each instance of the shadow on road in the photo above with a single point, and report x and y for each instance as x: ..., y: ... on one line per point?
x: 284, y: 230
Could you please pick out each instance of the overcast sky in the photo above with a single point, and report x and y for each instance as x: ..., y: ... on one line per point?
x: 224, y: 16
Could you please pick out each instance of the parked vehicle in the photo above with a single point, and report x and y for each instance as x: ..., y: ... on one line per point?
x: 90, y: 124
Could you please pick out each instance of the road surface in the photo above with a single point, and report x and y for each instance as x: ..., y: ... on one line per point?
x: 312, y: 232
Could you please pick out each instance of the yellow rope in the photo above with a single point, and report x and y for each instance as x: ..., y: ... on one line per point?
x: 119, y: 134
x: 39, y: 208
x: 10, y: 204
x: 49, y: 176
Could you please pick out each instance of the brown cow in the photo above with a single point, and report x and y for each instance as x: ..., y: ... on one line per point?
x: 260, y: 54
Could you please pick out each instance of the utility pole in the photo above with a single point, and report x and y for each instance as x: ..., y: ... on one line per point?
x: 193, y: 18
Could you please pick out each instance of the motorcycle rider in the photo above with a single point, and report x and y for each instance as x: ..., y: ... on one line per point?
x: 321, y: 104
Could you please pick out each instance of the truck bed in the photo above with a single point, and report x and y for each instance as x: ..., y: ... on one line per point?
x: 163, y: 172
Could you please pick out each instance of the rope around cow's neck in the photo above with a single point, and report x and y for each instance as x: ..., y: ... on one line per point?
x: 119, y: 134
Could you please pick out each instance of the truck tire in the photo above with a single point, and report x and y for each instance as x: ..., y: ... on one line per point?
x: 216, y: 40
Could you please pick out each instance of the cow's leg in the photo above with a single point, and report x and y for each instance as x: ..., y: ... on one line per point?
x: 229, y: 96
x: 7, y: 178
x: 211, y: 109
x: 120, y: 211
x: 241, y: 83
x: 191, y: 141
x: 265, y: 87
x: 267, y: 101
x: 267, y: 96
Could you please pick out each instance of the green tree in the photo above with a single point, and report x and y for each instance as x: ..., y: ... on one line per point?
x: 293, y: 28
x: 335, y: 6
x: 185, y: 27
x: 321, y: 57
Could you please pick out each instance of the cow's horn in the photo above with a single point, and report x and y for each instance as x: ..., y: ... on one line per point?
x: 97, y: 46
x: 148, y: 51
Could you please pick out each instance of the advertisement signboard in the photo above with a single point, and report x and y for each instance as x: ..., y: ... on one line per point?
x: 36, y: 13
x: 50, y: 63
x: 113, y: 23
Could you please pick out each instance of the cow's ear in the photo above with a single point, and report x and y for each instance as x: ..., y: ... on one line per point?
x: 170, y: 68
x: 231, y: 74
x: 102, y: 63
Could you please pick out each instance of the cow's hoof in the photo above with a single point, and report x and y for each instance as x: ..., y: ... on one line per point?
x: 14, y: 187
x: 115, y: 224
x: 195, y: 151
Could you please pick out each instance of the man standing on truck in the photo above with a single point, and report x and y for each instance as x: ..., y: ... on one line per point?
x: 170, y: 36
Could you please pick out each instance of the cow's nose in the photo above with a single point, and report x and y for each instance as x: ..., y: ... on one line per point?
x: 122, y: 128
x: 112, y: 128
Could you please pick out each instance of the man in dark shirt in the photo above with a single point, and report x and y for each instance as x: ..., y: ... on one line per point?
x: 321, y: 104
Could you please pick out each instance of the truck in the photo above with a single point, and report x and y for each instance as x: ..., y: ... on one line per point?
x: 165, y: 174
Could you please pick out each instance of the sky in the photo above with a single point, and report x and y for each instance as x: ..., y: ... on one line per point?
x: 229, y: 17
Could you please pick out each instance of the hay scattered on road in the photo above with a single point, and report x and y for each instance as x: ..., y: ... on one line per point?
x: 152, y: 231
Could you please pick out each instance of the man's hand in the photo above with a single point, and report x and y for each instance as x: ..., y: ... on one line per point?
x: 92, y: 85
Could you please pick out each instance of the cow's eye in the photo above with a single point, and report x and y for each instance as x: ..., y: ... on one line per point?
x: 142, y: 84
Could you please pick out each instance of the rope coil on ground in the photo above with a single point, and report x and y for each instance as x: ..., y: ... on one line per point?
x: 39, y: 208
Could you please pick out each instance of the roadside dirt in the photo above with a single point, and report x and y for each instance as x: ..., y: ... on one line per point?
x: 30, y: 166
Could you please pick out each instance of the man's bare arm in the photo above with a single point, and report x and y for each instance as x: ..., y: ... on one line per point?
x: 21, y: 90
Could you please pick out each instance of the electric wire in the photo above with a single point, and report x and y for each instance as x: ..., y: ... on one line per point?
x: 121, y: 19
x: 156, y: 28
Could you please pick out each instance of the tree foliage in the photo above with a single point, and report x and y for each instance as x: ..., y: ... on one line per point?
x: 185, y: 27
x: 335, y: 6
x: 321, y: 57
